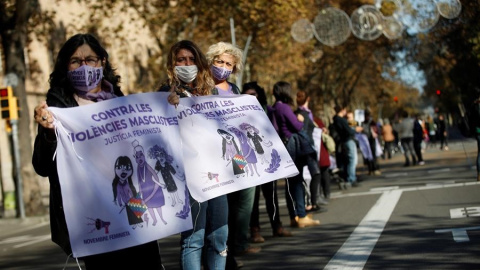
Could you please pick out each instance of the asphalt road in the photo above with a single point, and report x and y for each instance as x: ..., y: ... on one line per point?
x: 421, y: 217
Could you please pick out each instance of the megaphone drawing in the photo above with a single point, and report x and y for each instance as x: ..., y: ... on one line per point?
x: 102, y: 224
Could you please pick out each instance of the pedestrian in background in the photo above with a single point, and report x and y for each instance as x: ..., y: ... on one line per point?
x: 474, y: 125
x: 313, y: 188
x: 418, y: 136
x: 349, y: 158
x: 81, y: 53
x: 442, y: 132
x: 405, y: 134
x: 370, y: 129
x: 388, y: 138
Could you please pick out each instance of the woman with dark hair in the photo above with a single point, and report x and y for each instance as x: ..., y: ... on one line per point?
x: 269, y: 189
x: 189, y: 75
x: 288, y: 125
x: 70, y: 87
x: 123, y: 189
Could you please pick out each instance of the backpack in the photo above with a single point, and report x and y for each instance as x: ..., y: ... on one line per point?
x: 329, y: 143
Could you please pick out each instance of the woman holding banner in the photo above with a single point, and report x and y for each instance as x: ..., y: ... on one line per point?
x: 226, y: 59
x: 70, y: 86
x: 189, y: 75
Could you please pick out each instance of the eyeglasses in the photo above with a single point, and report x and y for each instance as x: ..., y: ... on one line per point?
x: 90, y: 60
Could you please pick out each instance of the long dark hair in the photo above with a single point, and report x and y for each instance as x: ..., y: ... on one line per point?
x: 59, y: 81
x: 261, y: 96
x: 282, y: 91
x: 123, y: 160
x: 203, y: 83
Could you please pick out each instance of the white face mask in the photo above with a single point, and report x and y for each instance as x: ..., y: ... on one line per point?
x: 186, y: 73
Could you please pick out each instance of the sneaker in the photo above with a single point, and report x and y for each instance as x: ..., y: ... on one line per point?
x: 355, y: 184
x: 377, y: 172
x: 421, y: 163
x: 307, y: 222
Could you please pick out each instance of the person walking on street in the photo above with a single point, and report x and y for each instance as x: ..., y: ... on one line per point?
x: 388, y: 138
x: 405, y: 133
x: 442, y: 132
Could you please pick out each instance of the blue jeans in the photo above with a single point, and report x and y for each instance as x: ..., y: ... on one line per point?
x: 240, y: 205
x: 351, y: 159
x: 296, y: 190
x: 210, y: 231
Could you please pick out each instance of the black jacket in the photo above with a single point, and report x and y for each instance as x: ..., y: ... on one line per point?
x: 46, y: 166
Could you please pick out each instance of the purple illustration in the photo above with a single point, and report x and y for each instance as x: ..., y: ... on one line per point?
x: 165, y: 168
x: 149, y: 185
x: 124, y: 193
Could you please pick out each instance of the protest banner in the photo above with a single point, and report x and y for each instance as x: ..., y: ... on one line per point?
x: 121, y: 173
x: 229, y: 144
x: 121, y: 163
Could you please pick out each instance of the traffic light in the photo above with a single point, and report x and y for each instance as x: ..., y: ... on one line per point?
x: 9, y: 104
x: 438, y: 92
x: 395, y: 99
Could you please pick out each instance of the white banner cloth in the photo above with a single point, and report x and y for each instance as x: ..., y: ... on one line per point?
x: 121, y: 165
x: 229, y: 145
x: 107, y: 153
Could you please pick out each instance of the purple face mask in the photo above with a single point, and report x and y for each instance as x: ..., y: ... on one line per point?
x: 220, y: 73
x: 85, y: 78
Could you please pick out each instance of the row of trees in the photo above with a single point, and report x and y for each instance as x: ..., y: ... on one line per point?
x: 361, y: 74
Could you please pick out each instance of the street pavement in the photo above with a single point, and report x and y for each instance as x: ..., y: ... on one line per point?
x: 303, y: 247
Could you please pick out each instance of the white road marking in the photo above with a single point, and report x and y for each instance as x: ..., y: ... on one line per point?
x: 384, y: 188
x: 439, y: 170
x: 459, y: 234
x: 35, y: 240
x: 464, y: 212
x: 391, y: 175
x: 355, y: 251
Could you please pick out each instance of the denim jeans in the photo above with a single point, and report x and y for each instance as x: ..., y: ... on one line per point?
x: 351, y: 159
x: 296, y: 190
x: 407, y: 145
x: 240, y: 205
x: 210, y: 231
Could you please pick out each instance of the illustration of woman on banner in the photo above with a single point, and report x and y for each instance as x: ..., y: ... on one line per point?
x: 256, y: 141
x: 247, y: 151
x: 231, y: 153
x: 164, y: 166
x: 148, y: 184
x: 124, y: 191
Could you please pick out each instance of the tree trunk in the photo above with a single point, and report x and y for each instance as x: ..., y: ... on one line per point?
x: 14, y: 40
